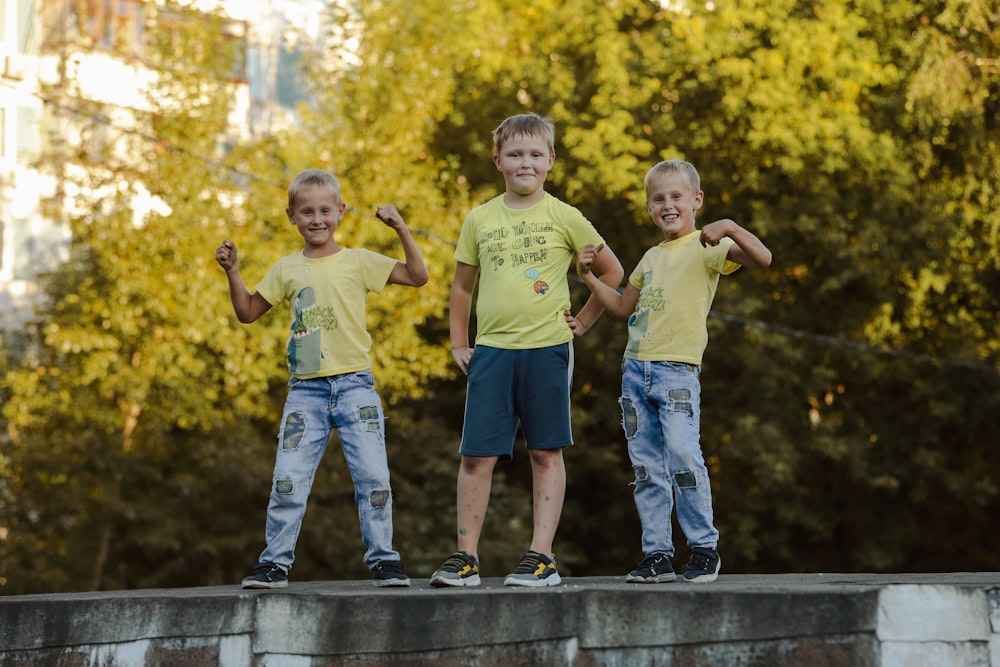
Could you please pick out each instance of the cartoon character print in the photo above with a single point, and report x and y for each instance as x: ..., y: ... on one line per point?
x: 638, y: 326
x: 304, y: 343
x: 638, y: 322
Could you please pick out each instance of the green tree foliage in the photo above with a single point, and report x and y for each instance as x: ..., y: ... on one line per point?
x: 818, y: 125
x: 129, y: 422
x: 867, y: 232
x: 142, y: 427
x: 849, y: 391
x: 124, y: 425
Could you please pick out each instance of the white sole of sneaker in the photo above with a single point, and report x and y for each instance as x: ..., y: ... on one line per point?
x: 658, y: 579
x: 265, y: 584
x: 553, y: 580
x: 706, y: 578
x: 441, y: 582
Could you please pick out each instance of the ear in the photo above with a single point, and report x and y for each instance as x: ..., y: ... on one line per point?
x: 341, y: 210
x: 288, y: 212
x: 698, y: 200
x: 496, y: 161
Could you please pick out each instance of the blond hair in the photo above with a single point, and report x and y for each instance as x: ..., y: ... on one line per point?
x: 675, y: 166
x: 525, y: 125
x: 311, y: 178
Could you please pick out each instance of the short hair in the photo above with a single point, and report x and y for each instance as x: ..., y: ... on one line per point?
x: 675, y: 166
x: 311, y: 178
x: 527, y: 125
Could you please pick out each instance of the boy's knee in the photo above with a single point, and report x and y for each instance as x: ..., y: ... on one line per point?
x: 477, y: 465
x: 685, y: 479
x: 379, y: 499
x: 641, y: 475
x: 545, y: 458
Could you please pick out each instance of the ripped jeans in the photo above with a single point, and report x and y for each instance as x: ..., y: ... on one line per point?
x: 661, y: 415
x: 314, y: 407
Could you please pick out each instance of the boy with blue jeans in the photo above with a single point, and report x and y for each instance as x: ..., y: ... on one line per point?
x: 520, y: 244
x: 331, y: 384
x: 666, y: 301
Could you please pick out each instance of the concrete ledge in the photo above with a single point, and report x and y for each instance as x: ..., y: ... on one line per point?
x: 820, y: 620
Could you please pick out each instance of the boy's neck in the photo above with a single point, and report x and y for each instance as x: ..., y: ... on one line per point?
x: 673, y: 236
x: 516, y: 201
x: 319, y: 252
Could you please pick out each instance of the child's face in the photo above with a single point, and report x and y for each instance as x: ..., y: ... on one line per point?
x: 315, y: 213
x: 672, y: 204
x: 525, y: 162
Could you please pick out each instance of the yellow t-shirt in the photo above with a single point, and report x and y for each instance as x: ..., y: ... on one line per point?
x: 677, y: 281
x: 523, y: 256
x: 329, y: 334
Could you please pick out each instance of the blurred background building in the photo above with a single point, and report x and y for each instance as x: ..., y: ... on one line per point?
x: 99, y: 45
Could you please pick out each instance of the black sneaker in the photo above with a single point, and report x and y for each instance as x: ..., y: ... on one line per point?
x: 389, y: 573
x: 703, y: 566
x: 459, y: 569
x: 535, y: 570
x: 654, y: 569
x: 266, y: 575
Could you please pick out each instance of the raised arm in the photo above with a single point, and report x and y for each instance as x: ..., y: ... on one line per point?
x: 412, y: 271
x: 605, y: 269
x: 248, y: 306
x: 460, y: 310
x: 604, y: 291
x: 748, y: 250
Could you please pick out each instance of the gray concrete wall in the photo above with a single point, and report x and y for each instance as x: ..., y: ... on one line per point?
x: 945, y: 620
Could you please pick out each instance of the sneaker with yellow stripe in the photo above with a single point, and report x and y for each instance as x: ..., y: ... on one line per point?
x: 459, y: 569
x: 535, y: 570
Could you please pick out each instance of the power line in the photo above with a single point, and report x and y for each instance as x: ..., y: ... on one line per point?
x: 863, y: 347
x: 765, y: 326
x: 170, y: 146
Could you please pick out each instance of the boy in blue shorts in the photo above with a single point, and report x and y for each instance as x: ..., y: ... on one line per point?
x: 331, y: 384
x: 666, y: 301
x: 520, y: 244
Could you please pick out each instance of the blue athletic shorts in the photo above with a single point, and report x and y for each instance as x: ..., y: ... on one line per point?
x: 511, y: 387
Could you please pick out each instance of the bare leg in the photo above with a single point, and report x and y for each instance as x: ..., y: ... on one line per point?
x: 475, y: 479
x: 548, y: 481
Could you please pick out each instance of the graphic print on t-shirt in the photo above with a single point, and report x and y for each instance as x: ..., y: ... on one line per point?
x: 305, y: 344
x: 650, y: 300
x: 519, y: 245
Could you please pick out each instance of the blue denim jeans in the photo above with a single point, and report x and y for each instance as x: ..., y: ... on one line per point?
x: 314, y: 407
x: 661, y: 415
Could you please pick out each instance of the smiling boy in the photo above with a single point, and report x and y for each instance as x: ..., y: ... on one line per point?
x: 519, y: 246
x: 331, y: 384
x: 666, y: 301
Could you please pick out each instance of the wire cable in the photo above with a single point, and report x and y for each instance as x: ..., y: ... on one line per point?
x: 765, y: 326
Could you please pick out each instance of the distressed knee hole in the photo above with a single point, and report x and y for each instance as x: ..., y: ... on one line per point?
x: 283, y: 486
x: 685, y: 479
x: 640, y: 474
x: 379, y: 498
x: 630, y: 421
x: 295, y: 428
